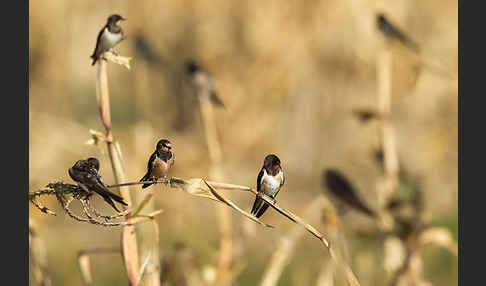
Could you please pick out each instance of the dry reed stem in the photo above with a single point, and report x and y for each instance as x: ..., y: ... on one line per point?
x: 340, y: 255
x: 325, y: 277
x: 286, y: 244
x: 439, y: 236
x: 216, y: 173
x: 85, y: 265
x: 390, y: 183
x: 207, y: 189
x: 387, y: 133
x: 38, y: 257
x: 145, y: 241
x: 128, y: 237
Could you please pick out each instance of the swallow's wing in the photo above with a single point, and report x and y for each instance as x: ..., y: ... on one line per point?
x: 258, y: 201
x: 75, y: 174
x: 259, y: 180
x: 78, y: 171
x: 151, y: 162
x: 97, y: 185
x: 215, y: 99
x: 98, y: 42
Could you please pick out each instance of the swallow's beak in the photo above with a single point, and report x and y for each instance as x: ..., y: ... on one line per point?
x: 123, y: 19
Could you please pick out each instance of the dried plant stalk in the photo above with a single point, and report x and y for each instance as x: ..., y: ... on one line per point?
x: 129, y: 239
x: 85, y: 265
x: 439, y: 236
x: 284, y: 251
x: 38, y: 257
x: 325, y: 277
x: 387, y: 133
x: 216, y: 173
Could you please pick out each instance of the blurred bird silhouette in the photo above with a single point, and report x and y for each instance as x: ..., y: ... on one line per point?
x: 391, y: 32
x: 341, y: 188
x: 144, y: 48
x: 202, y: 83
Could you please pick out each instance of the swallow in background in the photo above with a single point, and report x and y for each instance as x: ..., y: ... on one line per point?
x: 110, y: 35
x: 85, y: 173
x: 269, y: 181
x: 159, y: 163
x: 202, y: 82
x: 393, y: 33
x: 146, y: 50
x: 342, y: 189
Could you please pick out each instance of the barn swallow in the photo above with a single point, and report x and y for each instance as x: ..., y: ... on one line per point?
x: 202, y: 82
x: 159, y: 163
x: 342, y: 189
x: 85, y: 173
x: 110, y: 35
x: 269, y: 181
x: 393, y: 33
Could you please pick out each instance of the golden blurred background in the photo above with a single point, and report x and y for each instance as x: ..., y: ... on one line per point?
x: 290, y: 74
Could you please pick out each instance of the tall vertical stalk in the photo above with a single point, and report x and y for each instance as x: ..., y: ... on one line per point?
x: 216, y: 173
x: 387, y: 133
x: 128, y: 239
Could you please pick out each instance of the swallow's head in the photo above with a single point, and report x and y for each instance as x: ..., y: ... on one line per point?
x: 272, y: 164
x: 380, y: 19
x: 114, y: 19
x: 93, y: 163
x: 192, y: 66
x: 164, y: 145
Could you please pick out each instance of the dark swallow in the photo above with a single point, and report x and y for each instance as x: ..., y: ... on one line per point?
x: 85, y: 173
x: 159, y: 163
x: 393, y: 33
x: 146, y: 50
x: 269, y: 181
x: 202, y: 83
x: 110, y: 35
x: 342, y: 189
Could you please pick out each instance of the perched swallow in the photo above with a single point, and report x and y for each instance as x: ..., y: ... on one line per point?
x: 110, y: 35
x: 269, y: 181
x: 393, y: 33
x: 85, y: 173
x: 202, y: 82
x: 159, y: 163
x: 342, y: 189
